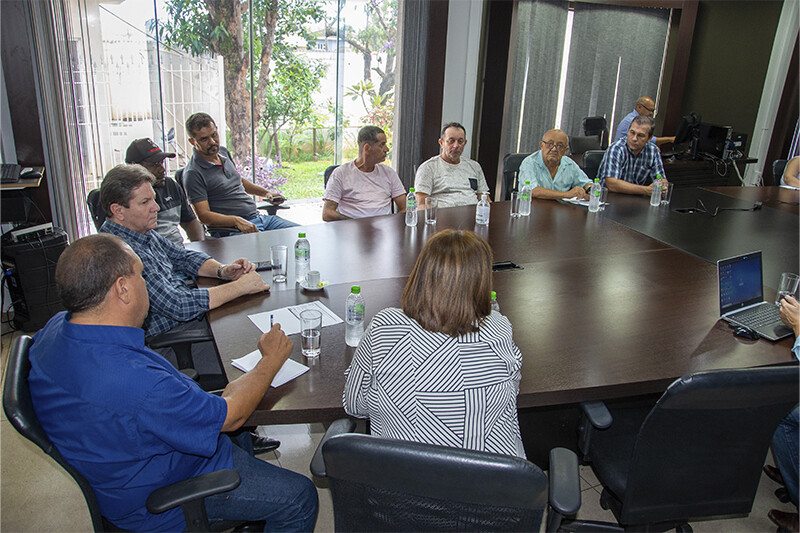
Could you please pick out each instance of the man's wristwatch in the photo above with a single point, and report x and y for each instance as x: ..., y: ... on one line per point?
x: 219, y: 271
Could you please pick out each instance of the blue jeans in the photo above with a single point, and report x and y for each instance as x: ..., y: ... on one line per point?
x: 785, y: 449
x: 285, y: 499
x: 268, y: 222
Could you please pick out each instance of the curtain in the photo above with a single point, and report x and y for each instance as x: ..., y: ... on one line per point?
x: 411, y: 65
x: 537, y: 54
x: 615, y: 57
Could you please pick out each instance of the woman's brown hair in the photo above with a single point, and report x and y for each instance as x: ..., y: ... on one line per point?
x: 449, y: 289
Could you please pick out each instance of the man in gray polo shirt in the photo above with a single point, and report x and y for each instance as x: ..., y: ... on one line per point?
x: 218, y: 194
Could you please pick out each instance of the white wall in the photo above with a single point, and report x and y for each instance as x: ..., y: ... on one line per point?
x: 461, y: 64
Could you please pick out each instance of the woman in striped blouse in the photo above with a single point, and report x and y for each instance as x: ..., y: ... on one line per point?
x: 443, y: 369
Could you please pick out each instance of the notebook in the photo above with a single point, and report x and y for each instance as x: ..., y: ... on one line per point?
x: 741, y: 297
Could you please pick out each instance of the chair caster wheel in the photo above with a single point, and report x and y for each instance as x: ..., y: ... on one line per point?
x: 604, y: 502
x: 684, y: 528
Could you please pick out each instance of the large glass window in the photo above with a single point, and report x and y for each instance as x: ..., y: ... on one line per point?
x: 288, y: 82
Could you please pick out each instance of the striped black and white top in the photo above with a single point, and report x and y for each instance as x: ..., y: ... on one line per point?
x: 417, y: 385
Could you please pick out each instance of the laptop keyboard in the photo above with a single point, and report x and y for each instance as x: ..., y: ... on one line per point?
x: 758, y: 316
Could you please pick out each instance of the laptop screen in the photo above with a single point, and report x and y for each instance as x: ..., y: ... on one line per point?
x: 739, y: 282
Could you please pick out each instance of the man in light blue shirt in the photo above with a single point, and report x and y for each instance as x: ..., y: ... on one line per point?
x: 552, y: 175
x: 645, y: 106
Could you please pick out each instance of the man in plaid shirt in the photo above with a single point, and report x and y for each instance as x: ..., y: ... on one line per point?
x: 630, y: 165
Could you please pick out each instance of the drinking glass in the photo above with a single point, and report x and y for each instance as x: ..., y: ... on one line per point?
x: 310, y: 332
x: 603, y: 197
x: 787, y: 286
x: 278, y: 253
x: 666, y: 193
x: 431, y: 208
x: 514, y: 204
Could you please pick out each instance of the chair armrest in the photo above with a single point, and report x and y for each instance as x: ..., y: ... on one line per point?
x: 171, y: 338
x: 565, y: 484
x: 192, y: 489
x: 271, y: 209
x: 597, y: 413
x: 338, y: 427
x: 222, y: 231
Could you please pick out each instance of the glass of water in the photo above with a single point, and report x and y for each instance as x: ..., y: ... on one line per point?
x: 787, y: 286
x: 310, y: 332
x: 278, y: 254
x: 514, y: 204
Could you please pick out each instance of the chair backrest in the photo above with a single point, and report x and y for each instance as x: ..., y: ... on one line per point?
x: 18, y: 407
x: 327, y: 175
x: 579, y: 145
x: 511, y: 163
x: 591, y: 162
x: 778, y: 167
x: 382, y: 484
x: 96, y: 208
x: 596, y: 126
x: 700, y: 450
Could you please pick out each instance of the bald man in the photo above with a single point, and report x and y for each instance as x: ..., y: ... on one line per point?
x: 645, y: 106
x: 552, y: 175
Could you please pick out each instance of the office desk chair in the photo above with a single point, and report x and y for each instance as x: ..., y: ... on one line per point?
x: 382, y: 484
x: 696, y: 454
x: 778, y: 167
x: 189, y: 493
x: 327, y: 175
x: 511, y: 163
x: 591, y: 162
x: 580, y: 145
x: 596, y: 126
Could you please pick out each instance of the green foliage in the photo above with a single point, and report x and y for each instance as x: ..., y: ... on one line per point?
x: 305, y: 180
x: 288, y: 96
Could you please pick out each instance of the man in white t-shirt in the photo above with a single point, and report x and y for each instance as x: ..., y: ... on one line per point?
x: 452, y: 179
x: 364, y: 187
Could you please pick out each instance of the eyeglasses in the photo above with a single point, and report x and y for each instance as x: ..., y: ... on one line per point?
x: 559, y: 146
x: 647, y: 108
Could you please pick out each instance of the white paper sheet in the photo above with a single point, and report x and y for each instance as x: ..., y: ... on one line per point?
x: 289, y: 317
x: 290, y: 369
x: 578, y: 201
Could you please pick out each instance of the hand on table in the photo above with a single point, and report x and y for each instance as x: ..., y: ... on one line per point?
x: 790, y: 313
x: 251, y: 283
x: 578, y: 192
x: 237, y: 269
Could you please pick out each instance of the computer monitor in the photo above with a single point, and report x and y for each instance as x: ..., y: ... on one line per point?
x: 687, y: 127
x: 712, y: 140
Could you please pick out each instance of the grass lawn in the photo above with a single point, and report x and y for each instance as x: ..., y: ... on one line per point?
x: 304, y: 179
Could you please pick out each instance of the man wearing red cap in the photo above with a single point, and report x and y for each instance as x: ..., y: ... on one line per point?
x: 174, y: 209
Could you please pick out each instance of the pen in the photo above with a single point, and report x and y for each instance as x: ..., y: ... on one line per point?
x: 271, y: 323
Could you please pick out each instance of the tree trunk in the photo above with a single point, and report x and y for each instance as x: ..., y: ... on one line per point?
x: 277, y: 144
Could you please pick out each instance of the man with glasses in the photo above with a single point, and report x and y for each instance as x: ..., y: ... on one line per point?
x: 218, y: 194
x: 552, y: 175
x: 452, y: 179
x: 629, y: 166
x: 171, y: 200
x: 645, y: 106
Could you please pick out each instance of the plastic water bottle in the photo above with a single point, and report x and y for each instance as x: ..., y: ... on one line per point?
x: 354, y: 317
x: 411, y: 207
x: 594, y: 196
x: 482, y: 210
x: 525, y: 199
x: 655, y: 194
x: 495, y: 305
x: 302, y: 257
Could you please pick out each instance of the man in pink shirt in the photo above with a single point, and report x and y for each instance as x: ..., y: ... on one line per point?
x: 364, y: 187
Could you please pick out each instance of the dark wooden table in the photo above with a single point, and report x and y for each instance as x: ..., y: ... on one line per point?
x: 775, y: 197
x: 599, y: 310
x: 729, y: 233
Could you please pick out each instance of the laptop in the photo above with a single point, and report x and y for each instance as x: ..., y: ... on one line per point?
x: 741, y: 297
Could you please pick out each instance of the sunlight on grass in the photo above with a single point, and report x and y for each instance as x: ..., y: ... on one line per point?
x: 304, y: 179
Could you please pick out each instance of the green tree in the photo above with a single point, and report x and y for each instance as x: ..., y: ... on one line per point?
x: 222, y: 28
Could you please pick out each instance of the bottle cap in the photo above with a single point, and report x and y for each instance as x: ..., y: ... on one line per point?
x: 411, y: 189
x: 527, y: 182
x: 301, y: 235
x: 494, y: 295
x: 355, y: 289
x: 597, y: 180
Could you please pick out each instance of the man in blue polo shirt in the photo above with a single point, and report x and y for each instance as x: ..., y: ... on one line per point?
x: 92, y: 379
x: 218, y: 194
x: 630, y: 165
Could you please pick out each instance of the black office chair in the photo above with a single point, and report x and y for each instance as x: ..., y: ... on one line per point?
x: 189, y: 493
x: 327, y: 175
x: 511, y: 163
x: 579, y: 145
x: 591, y: 162
x: 596, y: 126
x: 778, y: 167
x: 382, y: 484
x: 696, y: 454
x: 96, y: 208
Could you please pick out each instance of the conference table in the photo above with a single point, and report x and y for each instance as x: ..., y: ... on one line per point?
x: 606, y: 305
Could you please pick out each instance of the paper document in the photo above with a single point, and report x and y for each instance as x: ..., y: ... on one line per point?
x: 578, y: 201
x: 289, y: 317
x: 790, y: 187
x: 290, y: 369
